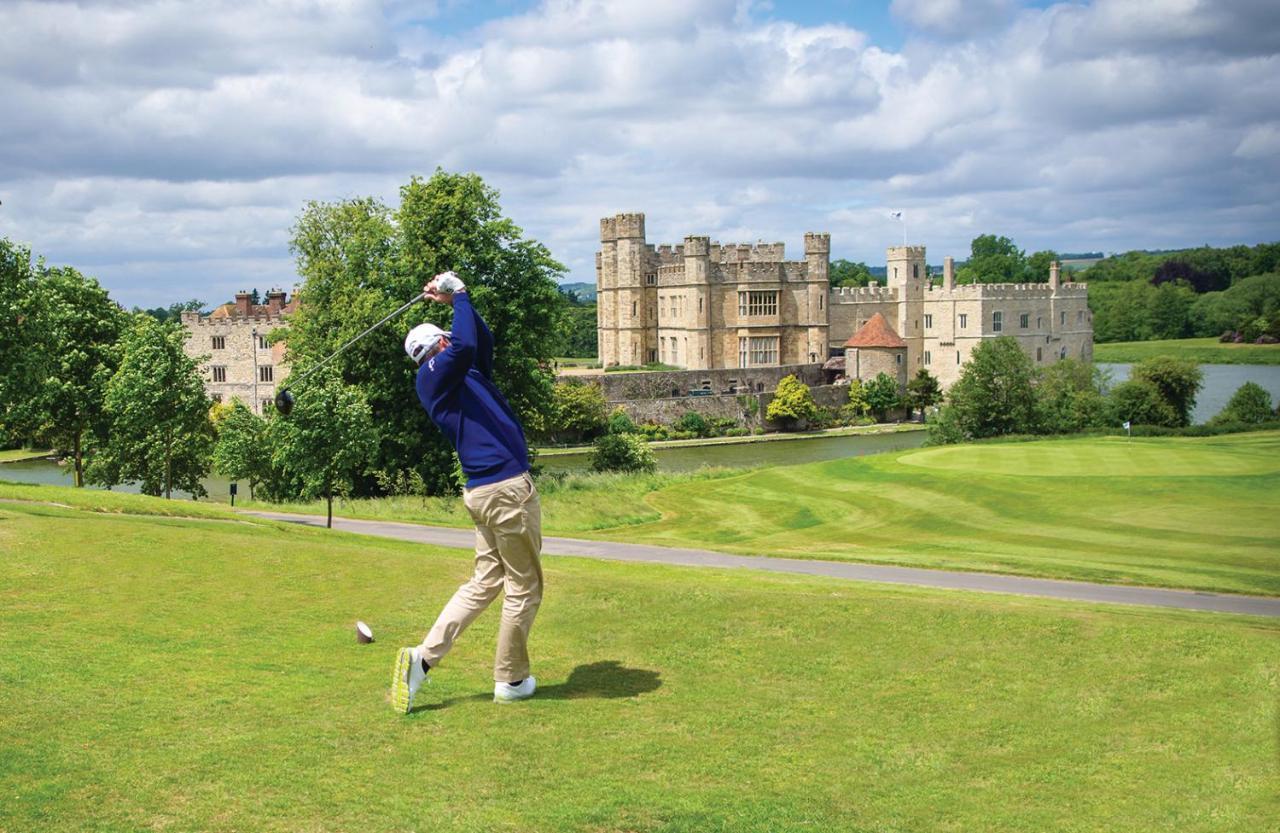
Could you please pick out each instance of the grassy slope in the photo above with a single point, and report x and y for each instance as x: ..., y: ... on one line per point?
x: 1193, y: 513
x: 14, y: 455
x: 1204, y: 350
x: 193, y: 675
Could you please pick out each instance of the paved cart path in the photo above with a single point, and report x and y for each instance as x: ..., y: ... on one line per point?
x: 985, y: 582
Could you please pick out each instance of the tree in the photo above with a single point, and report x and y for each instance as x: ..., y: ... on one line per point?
x: 995, y: 394
x: 157, y: 428
x: 578, y: 337
x: 1139, y: 402
x: 1177, y: 380
x: 992, y: 259
x: 1169, y: 310
x: 578, y: 410
x: 360, y: 260
x: 326, y: 442
x: 25, y: 361
x: 694, y: 423
x: 241, y: 451
x: 1037, y: 266
x: 791, y: 403
x: 80, y: 329
x: 849, y: 273
x: 881, y: 395
x: 622, y: 452
x: 923, y: 391
x: 1250, y: 403
x: 1069, y: 397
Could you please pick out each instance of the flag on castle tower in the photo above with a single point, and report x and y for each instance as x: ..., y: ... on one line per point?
x: 897, y: 215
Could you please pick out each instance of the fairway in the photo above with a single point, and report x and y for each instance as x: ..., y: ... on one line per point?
x: 1108, y: 457
x: 1197, y: 513
x: 181, y: 674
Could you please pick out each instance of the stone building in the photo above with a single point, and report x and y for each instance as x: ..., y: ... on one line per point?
x: 231, y: 342
x: 876, y: 349
x: 702, y: 305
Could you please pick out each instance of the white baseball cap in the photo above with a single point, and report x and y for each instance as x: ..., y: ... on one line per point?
x: 421, y: 340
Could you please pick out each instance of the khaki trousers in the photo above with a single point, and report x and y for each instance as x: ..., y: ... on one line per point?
x: 508, y: 517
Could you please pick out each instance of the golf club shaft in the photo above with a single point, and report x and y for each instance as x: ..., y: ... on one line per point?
x: 339, y: 351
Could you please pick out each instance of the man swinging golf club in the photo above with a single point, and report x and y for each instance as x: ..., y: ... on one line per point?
x: 455, y: 386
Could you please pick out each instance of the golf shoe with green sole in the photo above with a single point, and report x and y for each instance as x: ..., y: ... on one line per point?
x: 406, y: 678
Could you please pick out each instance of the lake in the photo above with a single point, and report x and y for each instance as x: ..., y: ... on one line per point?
x: 1220, y: 382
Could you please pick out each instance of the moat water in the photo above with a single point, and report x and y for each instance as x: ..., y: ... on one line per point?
x: 1220, y: 382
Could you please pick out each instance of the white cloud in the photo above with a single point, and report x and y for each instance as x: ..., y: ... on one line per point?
x: 169, y: 145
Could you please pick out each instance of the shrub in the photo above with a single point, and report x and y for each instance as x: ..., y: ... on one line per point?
x: 1177, y: 380
x: 1139, y: 402
x: 693, y: 423
x: 882, y: 396
x: 792, y: 402
x: 653, y: 431
x: 622, y: 452
x: 620, y: 422
x: 1249, y: 404
x: 577, y: 409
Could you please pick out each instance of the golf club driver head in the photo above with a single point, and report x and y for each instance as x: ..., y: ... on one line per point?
x: 284, y: 401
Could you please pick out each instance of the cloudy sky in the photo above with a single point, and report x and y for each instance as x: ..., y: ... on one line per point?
x: 166, y: 147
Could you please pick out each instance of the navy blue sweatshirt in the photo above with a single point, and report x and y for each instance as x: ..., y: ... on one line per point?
x: 456, y: 387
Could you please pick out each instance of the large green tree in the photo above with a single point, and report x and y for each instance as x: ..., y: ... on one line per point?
x: 80, y: 328
x: 923, y: 392
x: 23, y: 358
x: 992, y: 259
x: 360, y: 260
x: 1069, y: 397
x: 241, y: 451
x: 843, y: 272
x: 881, y: 395
x: 157, y: 427
x: 995, y: 393
x: 792, y: 402
x: 327, y: 442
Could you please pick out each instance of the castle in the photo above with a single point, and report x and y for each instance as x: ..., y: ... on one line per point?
x: 703, y: 306
x: 232, y: 341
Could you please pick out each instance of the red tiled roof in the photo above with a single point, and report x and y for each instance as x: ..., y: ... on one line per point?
x: 875, y: 333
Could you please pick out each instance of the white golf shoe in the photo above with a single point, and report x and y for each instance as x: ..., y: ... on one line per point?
x: 406, y: 678
x: 508, y: 693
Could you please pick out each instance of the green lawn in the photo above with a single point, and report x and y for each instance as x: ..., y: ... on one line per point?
x: 1177, y: 512
x: 179, y: 674
x: 1203, y: 350
x: 1196, y: 513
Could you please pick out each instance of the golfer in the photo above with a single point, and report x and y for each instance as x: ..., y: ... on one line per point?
x: 455, y: 385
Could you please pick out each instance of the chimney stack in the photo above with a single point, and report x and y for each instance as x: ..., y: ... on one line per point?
x: 243, y: 307
x: 948, y: 273
x: 275, y: 301
x: 1054, y: 276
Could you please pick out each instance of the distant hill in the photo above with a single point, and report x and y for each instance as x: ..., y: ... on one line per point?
x: 584, y: 291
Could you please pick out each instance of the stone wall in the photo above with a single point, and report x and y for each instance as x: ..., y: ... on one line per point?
x: 747, y: 409
x: 623, y: 387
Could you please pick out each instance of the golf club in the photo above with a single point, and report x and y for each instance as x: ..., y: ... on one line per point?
x: 284, y: 399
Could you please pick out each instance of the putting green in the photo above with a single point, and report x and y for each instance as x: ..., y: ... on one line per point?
x: 1097, y: 458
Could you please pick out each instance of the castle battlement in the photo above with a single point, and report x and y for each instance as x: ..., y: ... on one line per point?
x: 861, y: 294
x: 748, y: 252
x: 1008, y: 291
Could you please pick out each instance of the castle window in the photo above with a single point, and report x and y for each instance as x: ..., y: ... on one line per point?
x: 700, y: 352
x: 928, y: 357
x: 1039, y: 322
x: 964, y: 320
x: 1024, y: 320
x: 633, y: 309
x: 820, y: 300
x: 764, y: 351
x: 928, y: 323
x: 915, y: 270
x: 216, y: 397
x: 651, y: 278
x: 1063, y: 353
x: 219, y: 374
x: 653, y: 355
x: 1064, y: 323
x: 742, y: 352
x: 899, y: 358
x: 265, y: 373
x: 957, y: 357
x: 997, y: 322
x: 757, y: 303
x: 264, y: 404
x: 1039, y: 357
x: 262, y: 343
x: 219, y: 342
x: 699, y: 305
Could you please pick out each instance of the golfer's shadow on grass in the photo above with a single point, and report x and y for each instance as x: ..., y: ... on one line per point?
x: 608, y: 679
